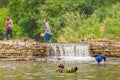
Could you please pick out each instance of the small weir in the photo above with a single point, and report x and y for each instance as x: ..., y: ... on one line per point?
x: 30, y: 49
x: 68, y: 51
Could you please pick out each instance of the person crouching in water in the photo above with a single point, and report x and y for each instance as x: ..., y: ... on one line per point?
x: 101, y: 59
x: 60, y: 68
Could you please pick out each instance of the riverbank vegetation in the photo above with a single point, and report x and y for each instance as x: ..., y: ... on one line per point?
x: 70, y: 20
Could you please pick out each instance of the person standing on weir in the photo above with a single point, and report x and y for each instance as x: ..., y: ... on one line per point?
x: 8, y: 27
x: 47, y: 31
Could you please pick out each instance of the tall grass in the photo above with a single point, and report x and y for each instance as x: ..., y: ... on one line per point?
x: 79, y: 27
x: 112, y: 22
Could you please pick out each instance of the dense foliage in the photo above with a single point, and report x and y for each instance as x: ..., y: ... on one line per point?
x: 70, y: 20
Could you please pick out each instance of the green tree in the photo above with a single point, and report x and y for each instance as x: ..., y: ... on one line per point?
x: 70, y: 20
x: 25, y: 14
x: 4, y: 3
x: 3, y: 13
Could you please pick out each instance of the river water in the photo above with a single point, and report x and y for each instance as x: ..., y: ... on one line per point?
x: 45, y: 70
x: 69, y: 55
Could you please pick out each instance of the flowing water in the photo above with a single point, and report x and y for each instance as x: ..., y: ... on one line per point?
x: 68, y: 54
x: 69, y: 51
x: 45, y: 70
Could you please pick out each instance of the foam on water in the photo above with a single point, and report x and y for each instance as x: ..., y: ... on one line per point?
x: 70, y: 58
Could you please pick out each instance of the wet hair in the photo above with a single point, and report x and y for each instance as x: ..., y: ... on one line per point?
x: 99, y: 53
x: 61, y: 66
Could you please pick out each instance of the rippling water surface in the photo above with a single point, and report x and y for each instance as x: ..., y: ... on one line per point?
x: 45, y: 70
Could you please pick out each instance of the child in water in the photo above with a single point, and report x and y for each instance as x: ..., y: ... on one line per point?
x: 60, y: 68
x: 68, y: 70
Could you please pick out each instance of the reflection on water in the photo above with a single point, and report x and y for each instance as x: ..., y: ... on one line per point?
x: 44, y: 70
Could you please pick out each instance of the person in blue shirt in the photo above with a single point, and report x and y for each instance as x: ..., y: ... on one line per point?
x: 101, y: 59
x: 47, y: 31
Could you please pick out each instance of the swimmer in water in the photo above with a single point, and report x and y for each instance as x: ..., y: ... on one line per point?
x: 60, y: 68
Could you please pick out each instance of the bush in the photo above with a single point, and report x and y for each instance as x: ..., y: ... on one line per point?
x: 3, y: 14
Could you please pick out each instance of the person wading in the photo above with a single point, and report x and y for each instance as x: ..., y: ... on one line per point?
x: 101, y: 59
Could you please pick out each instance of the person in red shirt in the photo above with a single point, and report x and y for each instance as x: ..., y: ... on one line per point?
x: 8, y: 27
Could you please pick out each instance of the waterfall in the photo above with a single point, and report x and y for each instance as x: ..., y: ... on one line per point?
x: 69, y: 50
x: 82, y: 50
